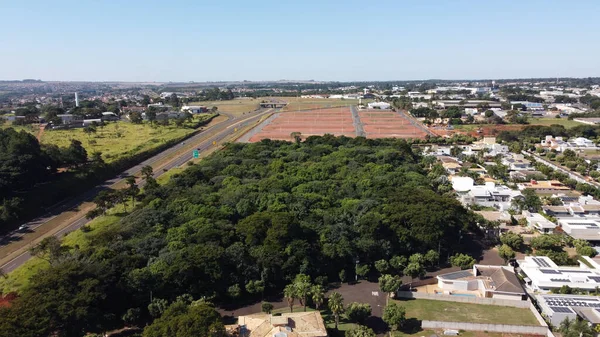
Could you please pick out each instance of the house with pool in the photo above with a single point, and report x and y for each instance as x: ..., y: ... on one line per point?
x: 498, y: 282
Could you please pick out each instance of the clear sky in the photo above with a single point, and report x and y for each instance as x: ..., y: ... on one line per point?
x: 177, y: 40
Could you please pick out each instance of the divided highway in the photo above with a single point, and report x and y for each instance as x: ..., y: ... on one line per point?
x: 201, y: 141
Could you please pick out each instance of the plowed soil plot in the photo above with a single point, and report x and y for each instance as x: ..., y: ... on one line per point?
x: 337, y: 121
x: 388, y: 124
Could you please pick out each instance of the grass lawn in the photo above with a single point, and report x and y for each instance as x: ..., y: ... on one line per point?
x: 118, y: 140
x: 466, y: 312
x: 427, y: 333
x: 549, y: 121
x: 236, y: 107
x: 296, y: 103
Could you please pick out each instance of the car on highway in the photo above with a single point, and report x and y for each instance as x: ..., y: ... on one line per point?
x: 22, y: 228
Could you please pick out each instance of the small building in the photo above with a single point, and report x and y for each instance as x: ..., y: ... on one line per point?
x: 498, y: 282
x: 87, y: 122
x: 540, y: 223
x: 68, y: 118
x: 109, y: 116
x: 296, y: 324
x: 379, y: 105
x: 194, y: 109
x: 558, y: 307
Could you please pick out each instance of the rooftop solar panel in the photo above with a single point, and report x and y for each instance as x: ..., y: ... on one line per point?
x: 594, y: 278
x: 561, y: 310
x: 549, y: 271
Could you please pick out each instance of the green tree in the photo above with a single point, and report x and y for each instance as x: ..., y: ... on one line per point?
x: 506, y: 253
x: 358, y: 312
x: 394, y: 315
x: 414, y: 270
x: 360, y: 331
x: 513, y: 240
x: 290, y: 295
x: 181, y: 320
x: 157, y: 307
x: 135, y: 117
x: 382, y: 266
x: 389, y: 284
x: 463, y: 261
x: 432, y: 258
x: 318, y: 295
x: 575, y: 328
x: 266, y: 307
x: 303, y: 286
x: 336, y: 305
x: 234, y: 291
x: 48, y: 249
x: 362, y: 270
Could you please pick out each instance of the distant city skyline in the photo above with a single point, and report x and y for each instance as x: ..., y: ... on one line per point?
x: 200, y: 41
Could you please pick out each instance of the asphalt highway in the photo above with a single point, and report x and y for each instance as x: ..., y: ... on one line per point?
x: 216, y: 134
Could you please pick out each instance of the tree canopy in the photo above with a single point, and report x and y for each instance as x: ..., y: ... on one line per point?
x: 244, y: 221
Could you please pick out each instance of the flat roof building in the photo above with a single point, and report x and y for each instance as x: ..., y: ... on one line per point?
x: 559, y: 307
x: 543, y: 275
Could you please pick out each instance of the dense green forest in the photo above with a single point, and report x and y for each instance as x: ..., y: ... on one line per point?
x: 249, y: 218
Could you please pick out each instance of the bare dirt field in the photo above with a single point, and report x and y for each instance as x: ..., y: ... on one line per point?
x: 388, y: 124
x: 335, y: 121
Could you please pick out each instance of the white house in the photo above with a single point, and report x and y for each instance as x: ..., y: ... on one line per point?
x: 537, y: 221
x: 194, y: 109
x: 558, y: 307
x: 379, y: 105
x: 543, y: 275
x: 488, y: 195
x: 485, y: 281
x: 581, y: 228
x: 517, y: 162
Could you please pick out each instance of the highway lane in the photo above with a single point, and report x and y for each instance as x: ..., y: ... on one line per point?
x: 221, y: 131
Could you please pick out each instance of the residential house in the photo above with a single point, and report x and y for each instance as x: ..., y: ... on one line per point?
x: 194, y: 109
x: 517, y: 162
x: 498, y: 282
x: 488, y: 195
x: 581, y: 228
x: 558, y: 307
x: 543, y: 275
x: 539, y: 222
x: 544, y: 186
x: 296, y: 324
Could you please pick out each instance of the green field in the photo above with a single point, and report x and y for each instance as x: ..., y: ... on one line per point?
x: 550, y: 121
x: 432, y: 310
x: 426, y: 333
x: 236, y: 107
x: 120, y: 139
x: 115, y: 140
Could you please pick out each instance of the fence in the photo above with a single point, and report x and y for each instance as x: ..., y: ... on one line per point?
x: 464, y: 299
x: 504, y: 328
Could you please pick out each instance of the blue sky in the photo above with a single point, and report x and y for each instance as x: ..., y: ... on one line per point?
x: 131, y: 40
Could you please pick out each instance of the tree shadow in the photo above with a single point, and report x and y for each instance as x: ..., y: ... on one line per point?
x: 377, y: 324
x: 411, y: 326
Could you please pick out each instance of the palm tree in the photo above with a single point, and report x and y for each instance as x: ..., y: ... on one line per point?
x: 289, y: 292
x: 302, y: 286
x: 318, y: 295
x: 336, y: 305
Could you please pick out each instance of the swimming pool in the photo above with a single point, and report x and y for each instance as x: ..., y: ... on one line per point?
x: 464, y: 295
